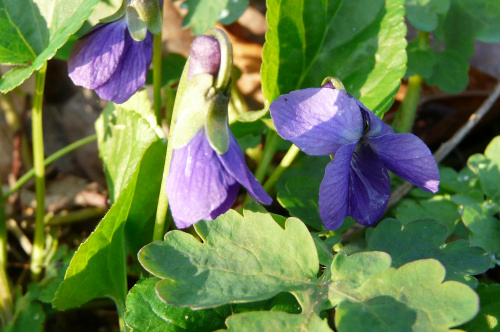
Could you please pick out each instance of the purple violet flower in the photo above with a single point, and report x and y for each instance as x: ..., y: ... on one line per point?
x: 109, y: 60
x: 203, y: 183
x: 329, y: 121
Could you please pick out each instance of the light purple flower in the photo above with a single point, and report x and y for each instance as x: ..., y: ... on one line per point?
x: 108, y: 60
x: 202, y: 183
x: 327, y: 121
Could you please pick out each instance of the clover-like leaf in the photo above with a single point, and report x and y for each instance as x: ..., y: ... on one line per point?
x: 417, y: 285
x: 489, y: 315
x: 202, y: 15
x: 361, y: 42
x: 33, y: 31
x: 423, y: 14
x: 426, y: 239
x: 242, y: 258
x: 440, y: 208
x: 487, y: 167
x: 274, y: 322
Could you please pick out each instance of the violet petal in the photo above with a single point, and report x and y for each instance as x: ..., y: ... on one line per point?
x: 95, y: 56
x: 370, y: 186
x: 334, y: 189
x: 317, y: 120
x: 235, y: 164
x: 198, y: 184
x: 131, y: 73
x: 409, y: 158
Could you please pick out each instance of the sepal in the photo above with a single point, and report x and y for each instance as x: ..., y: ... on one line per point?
x: 149, y: 12
x: 117, y: 15
x: 136, y: 26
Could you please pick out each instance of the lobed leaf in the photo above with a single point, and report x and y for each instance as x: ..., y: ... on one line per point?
x: 423, y: 239
x: 489, y: 315
x: 242, y: 258
x: 423, y: 14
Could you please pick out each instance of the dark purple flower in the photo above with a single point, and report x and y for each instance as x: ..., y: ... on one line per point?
x: 110, y: 62
x: 326, y: 121
x: 203, y: 183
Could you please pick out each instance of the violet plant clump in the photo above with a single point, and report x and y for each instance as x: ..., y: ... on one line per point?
x: 329, y: 121
x: 207, y: 165
x: 113, y: 58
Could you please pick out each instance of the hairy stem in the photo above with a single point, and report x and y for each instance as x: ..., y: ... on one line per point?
x: 39, y: 167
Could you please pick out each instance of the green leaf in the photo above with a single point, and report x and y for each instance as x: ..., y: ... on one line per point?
x: 301, y: 200
x: 242, y: 258
x: 129, y: 138
x: 440, y: 208
x: 376, y: 314
x: 461, y: 182
x: 421, y: 61
x: 98, y: 267
x: 202, y: 15
x: 35, y: 30
x: 361, y: 42
x: 489, y: 315
x: 484, y: 226
x: 28, y: 313
x: 274, y: 322
x: 171, y: 70
x: 426, y: 239
x: 146, y: 312
x: 487, y: 167
x: 423, y: 14
x: 450, y: 72
x: 325, y: 247
x: 417, y: 285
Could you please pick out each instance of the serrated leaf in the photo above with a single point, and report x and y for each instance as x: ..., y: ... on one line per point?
x: 242, y: 258
x: 418, y: 285
x: 362, y: 43
x: 423, y: 239
x: 130, y: 139
x: 202, y: 15
x: 423, y: 14
x: 274, y: 322
x: 375, y: 315
x: 35, y: 30
x: 98, y: 267
x: 487, y: 167
x: 488, y: 318
x: 440, y: 208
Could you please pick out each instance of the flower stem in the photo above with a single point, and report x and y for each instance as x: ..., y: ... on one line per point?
x: 408, y: 108
x: 53, y: 157
x: 157, y: 77
x: 157, y: 58
x: 287, y: 160
x: 38, y: 161
x: 272, y: 143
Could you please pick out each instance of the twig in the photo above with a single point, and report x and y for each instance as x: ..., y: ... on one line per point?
x: 25, y: 243
x: 449, y: 145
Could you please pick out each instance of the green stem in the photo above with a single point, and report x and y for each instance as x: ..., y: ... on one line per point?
x: 38, y: 161
x: 157, y: 59
x: 287, y: 160
x: 408, y: 108
x: 6, y: 303
x: 56, y: 155
x: 272, y: 143
x: 157, y: 77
